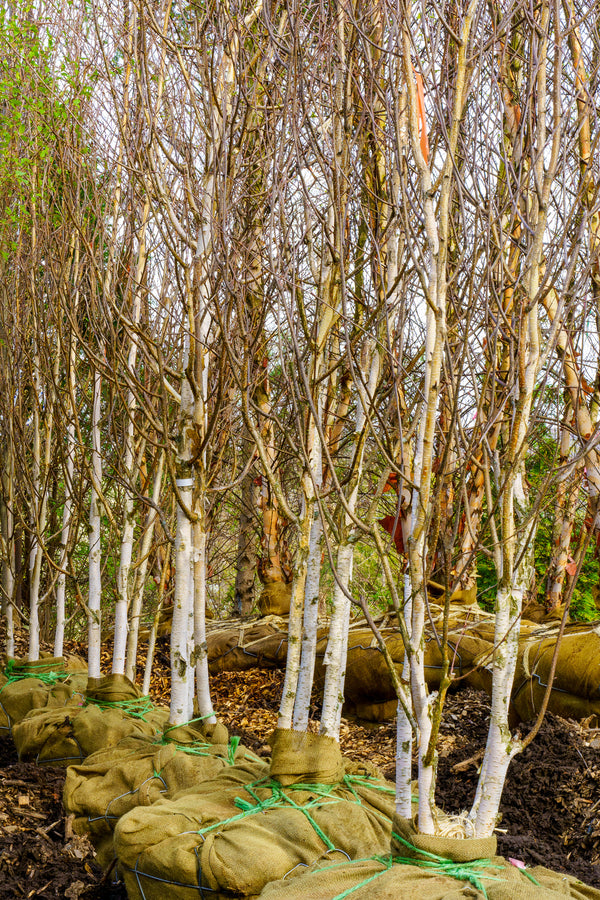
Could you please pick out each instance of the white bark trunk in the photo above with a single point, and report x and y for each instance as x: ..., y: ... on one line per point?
x: 94, y: 554
x: 8, y: 563
x: 308, y: 652
x: 155, y: 624
x: 205, y: 709
x: 500, y: 747
x: 191, y: 681
x: 122, y: 607
x: 404, y: 736
x: 418, y: 547
x: 337, y: 645
x: 311, y: 617
x: 292, y: 668
x: 140, y: 576
x: 59, y: 635
x: 181, y: 671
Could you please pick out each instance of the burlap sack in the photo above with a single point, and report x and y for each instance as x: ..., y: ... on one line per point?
x: 51, y: 687
x: 528, y: 697
x: 113, y: 710
x: 70, y: 663
x: 578, y: 663
x: 237, y: 839
x: 236, y: 646
x: 537, y: 613
x: 368, y: 689
x: 112, y: 689
x: 139, y: 772
x: 302, y: 758
x: 192, y: 734
x: 378, y: 880
x: 291, y: 835
x: 275, y: 599
x: 576, y: 686
x: 62, y: 737
x: 422, y: 871
x: 167, y: 821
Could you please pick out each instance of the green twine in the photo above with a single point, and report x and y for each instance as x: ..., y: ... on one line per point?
x: 197, y: 748
x: 136, y: 707
x: 280, y: 798
x: 466, y: 871
x: 185, y: 724
x: 30, y: 670
x: 355, y: 887
x: 528, y: 875
x: 277, y: 800
x: 320, y: 833
x: 234, y: 743
x: 470, y: 871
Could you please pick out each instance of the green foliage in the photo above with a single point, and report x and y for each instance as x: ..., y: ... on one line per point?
x: 368, y: 582
x: 542, y: 460
x: 33, y: 114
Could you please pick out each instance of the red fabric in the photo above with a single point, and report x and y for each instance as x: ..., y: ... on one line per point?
x: 421, y: 111
x: 387, y: 524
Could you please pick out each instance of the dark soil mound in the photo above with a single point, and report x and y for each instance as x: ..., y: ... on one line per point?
x: 551, y: 802
x: 39, y: 855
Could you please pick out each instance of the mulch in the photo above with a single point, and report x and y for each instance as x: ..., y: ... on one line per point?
x: 39, y: 855
x: 550, y: 808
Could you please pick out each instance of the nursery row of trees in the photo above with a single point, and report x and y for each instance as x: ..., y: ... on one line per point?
x: 290, y: 289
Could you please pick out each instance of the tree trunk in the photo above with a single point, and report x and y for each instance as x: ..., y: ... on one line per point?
x: 95, y: 552
x: 246, y: 554
x: 181, y: 670
x: 140, y: 575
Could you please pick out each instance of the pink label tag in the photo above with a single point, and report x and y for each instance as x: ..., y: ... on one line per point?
x: 516, y: 862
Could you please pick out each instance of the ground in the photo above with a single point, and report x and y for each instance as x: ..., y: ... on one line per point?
x: 550, y: 807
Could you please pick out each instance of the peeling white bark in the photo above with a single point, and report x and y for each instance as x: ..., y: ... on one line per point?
x: 140, y: 576
x: 205, y: 707
x: 404, y: 735
x: 123, y: 597
x: 313, y: 577
x: 309, y: 636
x: 337, y: 643
x: 292, y: 668
x: 94, y: 553
x: 181, y: 671
x: 8, y: 563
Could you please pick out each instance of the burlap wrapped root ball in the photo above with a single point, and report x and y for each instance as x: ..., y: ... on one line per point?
x: 112, y: 710
x: 576, y: 687
x: 236, y: 646
x: 369, y: 692
x: 49, y: 683
x: 275, y: 599
x: 235, y: 839
x: 428, y: 868
x: 141, y: 770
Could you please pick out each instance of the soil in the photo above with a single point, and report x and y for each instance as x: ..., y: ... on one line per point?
x: 550, y: 807
x: 39, y: 855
